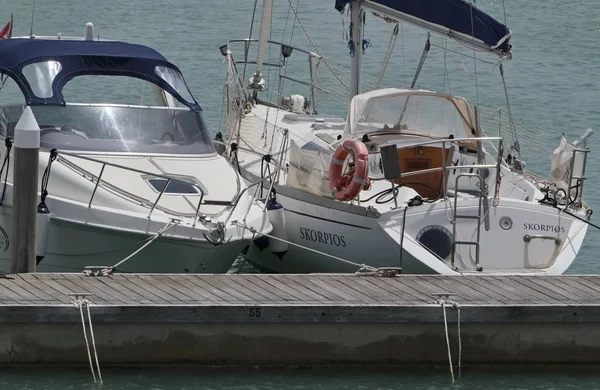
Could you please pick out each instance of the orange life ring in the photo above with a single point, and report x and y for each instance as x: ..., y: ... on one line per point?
x: 346, y: 187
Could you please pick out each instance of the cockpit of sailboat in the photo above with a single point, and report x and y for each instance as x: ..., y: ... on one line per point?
x: 411, y: 120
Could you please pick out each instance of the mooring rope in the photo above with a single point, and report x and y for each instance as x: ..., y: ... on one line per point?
x: 93, y: 342
x: 169, y: 225
x: 459, y: 340
x: 454, y: 305
x: 80, y: 303
x: 448, y: 340
x: 112, y: 268
x: 87, y: 344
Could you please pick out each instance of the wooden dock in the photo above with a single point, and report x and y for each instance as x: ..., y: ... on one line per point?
x: 280, y: 320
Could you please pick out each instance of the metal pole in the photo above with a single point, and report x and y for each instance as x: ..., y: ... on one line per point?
x: 356, y: 14
x: 256, y: 82
x: 25, y: 192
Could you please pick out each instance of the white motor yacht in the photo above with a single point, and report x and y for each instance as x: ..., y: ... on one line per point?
x: 123, y: 187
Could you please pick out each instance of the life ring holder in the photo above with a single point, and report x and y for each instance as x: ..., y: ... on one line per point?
x: 347, y: 186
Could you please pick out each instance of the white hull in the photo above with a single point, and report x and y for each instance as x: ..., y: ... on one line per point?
x: 319, y: 231
x: 135, y: 187
x: 442, y: 197
x: 73, y: 246
x: 114, y: 227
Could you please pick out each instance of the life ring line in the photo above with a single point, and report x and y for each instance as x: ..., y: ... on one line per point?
x: 348, y: 186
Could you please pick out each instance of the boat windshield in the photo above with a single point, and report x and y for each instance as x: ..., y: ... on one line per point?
x: 110, y: 128
x: 435, y: 115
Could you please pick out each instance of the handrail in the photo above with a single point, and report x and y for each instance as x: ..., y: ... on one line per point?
x: 528, y: 238
x: 281, y: 76
x: 269, y: 41
x: 451, y: 140
x: 274, y: 174
x: 254, y: 196
x: 199, y: 186
x: 169, y: 178
x: 444, y: 168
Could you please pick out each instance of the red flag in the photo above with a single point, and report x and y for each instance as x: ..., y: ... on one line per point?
x: 6, y: 31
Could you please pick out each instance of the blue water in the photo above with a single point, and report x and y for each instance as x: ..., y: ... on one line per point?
x: 553, y: 82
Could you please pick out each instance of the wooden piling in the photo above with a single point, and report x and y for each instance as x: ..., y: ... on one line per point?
x: 25, y: 189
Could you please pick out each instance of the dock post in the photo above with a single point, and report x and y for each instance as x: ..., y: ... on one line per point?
x: 25, y: 190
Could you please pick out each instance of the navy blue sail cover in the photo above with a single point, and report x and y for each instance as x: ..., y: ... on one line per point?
x: 83, y: 57
x: 451, y: 14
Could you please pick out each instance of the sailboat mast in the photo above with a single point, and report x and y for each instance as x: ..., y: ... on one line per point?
x: 356, y: 14
x: 257, y: 82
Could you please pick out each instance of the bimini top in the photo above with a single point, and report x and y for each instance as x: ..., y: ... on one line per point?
x: 410, y: 110
x: 42, y: 67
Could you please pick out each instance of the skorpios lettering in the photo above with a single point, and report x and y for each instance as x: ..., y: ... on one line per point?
x: 322, y: 237
x: 543, y: 228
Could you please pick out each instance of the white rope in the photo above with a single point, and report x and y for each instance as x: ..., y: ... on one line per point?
x: 104, y: 271
x: 454, y: 305
x: 315, y: 46
x: 94, y: 342
x: 169, y: 225
x: 80, y: 303
x: 443, y: 303
x: 87, y: 344
x: 459, y: 340
x: 245, y: 258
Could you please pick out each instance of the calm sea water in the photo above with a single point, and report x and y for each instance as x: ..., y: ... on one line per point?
x: 553, y: 82
x: 305, y: 379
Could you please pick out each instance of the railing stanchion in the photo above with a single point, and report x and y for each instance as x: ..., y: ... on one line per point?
x: 96, y: 186
x: 444, y: 184
x: 198, y: 210
x: 159, y: 196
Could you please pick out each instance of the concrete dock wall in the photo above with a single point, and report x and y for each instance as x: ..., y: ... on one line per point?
x: 299, y: 320
x: 304, y: 344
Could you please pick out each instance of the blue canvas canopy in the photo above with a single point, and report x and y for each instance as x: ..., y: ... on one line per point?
x: 85, y: 57
x: 456, y: 18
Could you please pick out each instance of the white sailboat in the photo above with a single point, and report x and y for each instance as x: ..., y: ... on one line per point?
x: 408, y: 179
x: 124, y: 187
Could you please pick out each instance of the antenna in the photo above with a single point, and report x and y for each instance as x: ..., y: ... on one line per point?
x: 32, y: 15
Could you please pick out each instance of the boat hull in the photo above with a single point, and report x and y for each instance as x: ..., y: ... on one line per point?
x: 72, y: 246
x: 322, y: 237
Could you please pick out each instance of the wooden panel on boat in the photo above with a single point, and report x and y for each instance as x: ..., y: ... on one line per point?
x: 428, y: 185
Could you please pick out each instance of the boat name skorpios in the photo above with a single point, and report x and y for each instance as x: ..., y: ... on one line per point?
x: 322, y: 237
x: 543, y: 228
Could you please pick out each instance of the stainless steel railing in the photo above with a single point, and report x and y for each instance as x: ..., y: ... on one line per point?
x: 99, y: 181
x: 285, y: 51
x: 169, y: 178
x: 445, y: 168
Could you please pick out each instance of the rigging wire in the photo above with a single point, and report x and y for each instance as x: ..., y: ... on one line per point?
x: 316, y: 48
x: 474, y: 56
x: 282, y: 79
x: 461, y: 54
x: 516, y: 146
x: 247, y: 48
